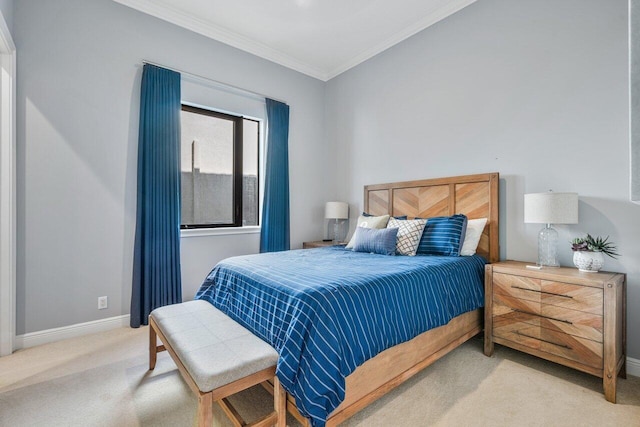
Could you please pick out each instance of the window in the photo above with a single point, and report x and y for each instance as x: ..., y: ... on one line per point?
x: 219, y: 165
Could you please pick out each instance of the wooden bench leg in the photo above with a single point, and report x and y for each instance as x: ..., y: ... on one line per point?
x: 279, y: 403
x: 205, y: 410
x: 153, y: 350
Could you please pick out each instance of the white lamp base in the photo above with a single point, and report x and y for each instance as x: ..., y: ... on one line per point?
x: 548, y: 247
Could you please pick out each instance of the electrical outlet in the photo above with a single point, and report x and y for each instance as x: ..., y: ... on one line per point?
x: 102, y: 303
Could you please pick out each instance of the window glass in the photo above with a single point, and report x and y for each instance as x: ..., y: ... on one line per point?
x: 250, y: 167
x: 219, y: 166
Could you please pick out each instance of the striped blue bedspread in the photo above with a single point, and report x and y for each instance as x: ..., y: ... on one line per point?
x: 328, y: 310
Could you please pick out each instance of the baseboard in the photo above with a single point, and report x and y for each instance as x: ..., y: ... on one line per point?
x: 633, y: 367
x: 33, y: 339
x: 72, y: 331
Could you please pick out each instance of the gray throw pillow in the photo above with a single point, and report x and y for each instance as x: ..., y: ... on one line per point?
x: 377, y: 241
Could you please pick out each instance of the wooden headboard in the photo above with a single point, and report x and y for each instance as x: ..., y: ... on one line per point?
x: 476, y: 196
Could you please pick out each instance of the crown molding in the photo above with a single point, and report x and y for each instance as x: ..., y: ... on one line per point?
x: 435, y: 16
x: 224, y: 35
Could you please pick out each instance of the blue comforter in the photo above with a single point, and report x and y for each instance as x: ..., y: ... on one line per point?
x: 328, y: 310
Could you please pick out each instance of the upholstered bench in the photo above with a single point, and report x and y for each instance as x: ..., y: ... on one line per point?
x: 217, y: 357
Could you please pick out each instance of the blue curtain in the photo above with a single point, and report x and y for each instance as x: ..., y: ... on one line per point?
x: 156, y: 263
x: 274, y: 235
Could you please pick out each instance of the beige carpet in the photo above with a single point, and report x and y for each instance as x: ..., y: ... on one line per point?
x: 102, y: 380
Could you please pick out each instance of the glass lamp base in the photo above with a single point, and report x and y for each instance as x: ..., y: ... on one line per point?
x: 336, y: 230
x: 548, y: 247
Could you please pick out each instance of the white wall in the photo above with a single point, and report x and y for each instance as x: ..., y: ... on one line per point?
x: 535, y: 90
x: 7, y: 179
x: 634, y: 70
x: 79, y: 68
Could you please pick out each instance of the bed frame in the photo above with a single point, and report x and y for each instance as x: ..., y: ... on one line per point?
x: 473, y: 195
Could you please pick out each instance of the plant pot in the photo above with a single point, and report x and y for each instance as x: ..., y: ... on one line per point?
x: 587, y: 261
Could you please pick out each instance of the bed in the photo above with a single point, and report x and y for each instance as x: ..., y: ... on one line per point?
x: 327, y: 311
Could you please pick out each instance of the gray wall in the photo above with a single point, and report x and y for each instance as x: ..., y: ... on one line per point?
x: 535, y: 90
x: 79, y: 67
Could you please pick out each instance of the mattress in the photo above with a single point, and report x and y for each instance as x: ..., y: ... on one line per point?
x: 328, y: 310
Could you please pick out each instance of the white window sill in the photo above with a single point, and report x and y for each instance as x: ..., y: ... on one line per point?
x: 201, y: 232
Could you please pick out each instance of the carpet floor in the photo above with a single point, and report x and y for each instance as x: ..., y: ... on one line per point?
x: 102, y: 380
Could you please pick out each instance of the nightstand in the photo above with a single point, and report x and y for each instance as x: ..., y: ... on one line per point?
x: 321, y: 244
x: 559, y: 314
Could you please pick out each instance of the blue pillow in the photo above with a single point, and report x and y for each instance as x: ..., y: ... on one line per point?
x: 443, y: 235
x: 378, y: 241
x: 396, y: 217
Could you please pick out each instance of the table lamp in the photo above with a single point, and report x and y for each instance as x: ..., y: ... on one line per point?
x: 550, y: 208
x: 335, y: 212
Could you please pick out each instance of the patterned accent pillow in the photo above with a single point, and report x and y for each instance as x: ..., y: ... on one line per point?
x: 443, y: 235
x: 369, y: 222
x: 409, y: 233
x: 377, y: 241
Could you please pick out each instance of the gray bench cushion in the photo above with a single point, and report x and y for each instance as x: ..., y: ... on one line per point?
x: 214, y: 348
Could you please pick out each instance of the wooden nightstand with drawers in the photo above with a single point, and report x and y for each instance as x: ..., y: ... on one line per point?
x: 559, y: 314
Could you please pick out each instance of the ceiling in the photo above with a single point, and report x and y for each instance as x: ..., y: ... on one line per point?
x: 320, y: 38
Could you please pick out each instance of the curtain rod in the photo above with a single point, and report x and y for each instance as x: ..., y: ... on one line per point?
x: 222, y: 85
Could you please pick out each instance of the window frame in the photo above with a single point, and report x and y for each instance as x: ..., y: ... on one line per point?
x: 238, y: 176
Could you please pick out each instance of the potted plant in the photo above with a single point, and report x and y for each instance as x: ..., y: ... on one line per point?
x: 589, y: 251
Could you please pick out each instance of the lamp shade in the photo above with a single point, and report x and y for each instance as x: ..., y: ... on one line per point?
x: 336, y: 210
x: 551, y: 208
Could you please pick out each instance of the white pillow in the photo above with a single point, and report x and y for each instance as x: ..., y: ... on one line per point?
x: 369, y: 222
x: 409, y: 234
x: 472, y: 236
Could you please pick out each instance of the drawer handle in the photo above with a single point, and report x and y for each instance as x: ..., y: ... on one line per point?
x: 542, y: 292
x: 543, y: 316
x: 548, y: 342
